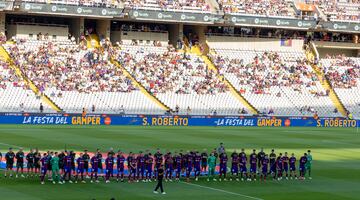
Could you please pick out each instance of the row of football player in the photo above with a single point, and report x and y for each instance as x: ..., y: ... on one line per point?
x: 145, y: 166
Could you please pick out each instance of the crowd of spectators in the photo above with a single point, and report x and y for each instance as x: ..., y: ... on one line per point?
x: 66, y: 67
x: 266, y: 70
x: 346, y: 10
x: 139, y: 27
x: 89, y: 3
x: 258, y: 7
x: 8, y: 76
x: 194, y: 5
x: 341, y: 71
x: 170, y: 71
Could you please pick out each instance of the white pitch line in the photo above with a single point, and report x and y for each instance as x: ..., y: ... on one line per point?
x: 9, y: 145
x: 223, y: 191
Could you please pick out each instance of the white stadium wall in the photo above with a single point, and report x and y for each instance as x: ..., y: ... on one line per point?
x: 260, y: 44
x: 24, y: 31
x: 140, y: 37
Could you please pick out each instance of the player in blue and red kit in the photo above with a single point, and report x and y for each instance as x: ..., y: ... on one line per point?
x: 285, y: 160
x: 253, y: 165
x: 44, y: 167
x: 279, y: 166
x: 140, y: 166
x: 189, y: 165
x: 169, y: 166
x: 149, y: 167
x: 197, y: 165
x: 264, y: 167
x: 223, y: 166
x: 109, y: 163
x: 178, y: 165
x: 292, y: 163
x: 120, y: 164
x: 94, y: 168
x: 243, y: 162
x: 302, y: 168
x: 158, y: 161
x: 235, y: 160
x: 132, y: 167
x: 80, y: 168
x: 67, y: 167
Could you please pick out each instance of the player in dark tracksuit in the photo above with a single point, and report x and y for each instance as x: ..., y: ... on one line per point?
x: 120, y: 164
x: 37, y: 157
x: 272, y: 158
x: 86, y: 159
x: 9, y: 158
x: 204, y: 158
x: 61, y: 161
x: 30, y: 158
x: 20, y: 162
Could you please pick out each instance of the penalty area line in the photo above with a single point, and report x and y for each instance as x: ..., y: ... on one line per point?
x: 223, y: 191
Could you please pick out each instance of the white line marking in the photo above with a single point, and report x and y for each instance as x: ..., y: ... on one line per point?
x: 9, y: 145
x: 224, y: 191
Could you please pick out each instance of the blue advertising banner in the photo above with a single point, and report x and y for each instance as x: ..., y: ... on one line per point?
x: 156, y: 120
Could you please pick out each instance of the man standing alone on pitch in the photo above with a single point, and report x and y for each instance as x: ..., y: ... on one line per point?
x: 160, y: 177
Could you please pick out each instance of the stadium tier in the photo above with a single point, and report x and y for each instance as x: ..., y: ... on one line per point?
x: 186, y: 57
x: 344, y: 75
x: 275, y: 82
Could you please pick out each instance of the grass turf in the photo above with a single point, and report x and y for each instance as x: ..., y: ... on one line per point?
x: 336, y: 153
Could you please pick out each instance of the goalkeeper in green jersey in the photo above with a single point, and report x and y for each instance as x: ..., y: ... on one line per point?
x: 55, y: 168
x: 308, y: 164
x: 211, y: 167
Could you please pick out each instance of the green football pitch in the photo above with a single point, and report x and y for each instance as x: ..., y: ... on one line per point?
x: 336, y: 165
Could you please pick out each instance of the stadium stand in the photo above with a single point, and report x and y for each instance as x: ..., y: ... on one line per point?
x: 90, y: 3
x: 276, y: 82
x: 344, y: 75
x: 70, y: 73
x: 175, y: 5
x: 15, y: 96
x: 180, y: 80
x: 262, y: 7
x: 340, y: 10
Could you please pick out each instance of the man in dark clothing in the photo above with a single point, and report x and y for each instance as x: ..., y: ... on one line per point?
x: 160, y: 177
